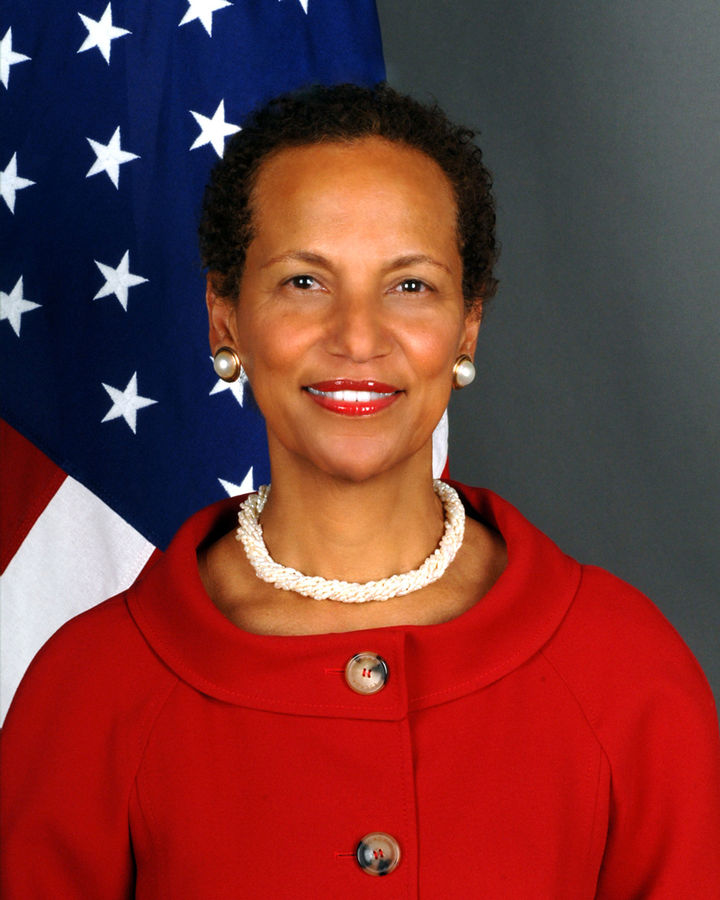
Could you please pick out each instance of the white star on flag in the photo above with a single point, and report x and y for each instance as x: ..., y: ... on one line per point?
x: 236, y: 388
x: 110, y: 157
x: 203, y: 10
x: 10, y: 183
x: 13, y: 305
x: 118, y: 281
x: 8, y: 57
x: 214, y: 131
x: 126, y: 403
x: 245, y: 486
x: 101, y: 33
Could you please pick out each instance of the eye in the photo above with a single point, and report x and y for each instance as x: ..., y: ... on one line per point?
x: 302, y: 282
x: 413, y: 286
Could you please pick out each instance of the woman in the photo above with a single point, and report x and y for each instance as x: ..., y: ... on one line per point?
x: 486, y: 718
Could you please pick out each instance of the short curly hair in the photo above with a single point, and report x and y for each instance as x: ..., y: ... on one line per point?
x: 347, y: 112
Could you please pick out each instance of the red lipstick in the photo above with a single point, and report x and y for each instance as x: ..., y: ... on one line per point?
x: 348, y: 397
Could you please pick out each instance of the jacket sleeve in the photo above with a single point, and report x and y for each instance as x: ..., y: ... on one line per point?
x: 664, y: 835
x: 71, y: 745
x: 654, y: 714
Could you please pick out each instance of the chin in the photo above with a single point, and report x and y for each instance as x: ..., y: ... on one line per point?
x: 355, y: 471
x: 356, y: 474
x: 357, y: 462
x: 351, y: 458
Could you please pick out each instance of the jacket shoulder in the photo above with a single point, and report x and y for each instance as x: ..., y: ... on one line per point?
x: 651, y: 709
x: 620, y: 656
x: 96, y: 666
x: 102, y: 643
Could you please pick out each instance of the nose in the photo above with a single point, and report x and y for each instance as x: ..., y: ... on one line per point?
x: 358, y: 328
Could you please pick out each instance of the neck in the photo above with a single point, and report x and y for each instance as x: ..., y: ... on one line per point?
x: 352, y: 531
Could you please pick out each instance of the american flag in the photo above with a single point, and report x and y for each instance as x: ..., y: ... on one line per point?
x: 116, y: 428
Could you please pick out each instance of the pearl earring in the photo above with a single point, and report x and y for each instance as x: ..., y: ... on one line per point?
x: 227, y: 364
x: 463, y: 372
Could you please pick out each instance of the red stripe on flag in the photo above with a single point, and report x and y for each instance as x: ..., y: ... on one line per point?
x: 28, y: 481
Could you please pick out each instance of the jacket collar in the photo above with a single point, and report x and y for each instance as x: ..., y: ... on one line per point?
x: 303, y: 675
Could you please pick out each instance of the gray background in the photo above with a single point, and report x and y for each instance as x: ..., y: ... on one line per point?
x: 597, y: 405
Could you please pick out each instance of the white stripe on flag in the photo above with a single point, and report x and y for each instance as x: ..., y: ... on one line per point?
x: 78, y: 553
x: 440, y: 445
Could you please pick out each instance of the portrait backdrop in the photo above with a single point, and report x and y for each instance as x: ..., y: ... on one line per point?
x: 597, y: 404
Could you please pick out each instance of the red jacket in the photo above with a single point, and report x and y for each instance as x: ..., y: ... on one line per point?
x: 558, y: 740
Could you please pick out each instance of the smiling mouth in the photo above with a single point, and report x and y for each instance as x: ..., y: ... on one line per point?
x: 352, y: 398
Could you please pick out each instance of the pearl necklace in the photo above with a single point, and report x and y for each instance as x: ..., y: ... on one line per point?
x: 249, y: 533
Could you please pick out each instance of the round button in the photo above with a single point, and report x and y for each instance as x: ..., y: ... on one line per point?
x: 366, y: 673
x: 378, y: 853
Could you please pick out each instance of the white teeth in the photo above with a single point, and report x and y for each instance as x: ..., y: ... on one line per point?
x: 350, y: 396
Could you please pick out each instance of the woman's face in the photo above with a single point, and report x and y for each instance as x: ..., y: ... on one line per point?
x: 350, y: 313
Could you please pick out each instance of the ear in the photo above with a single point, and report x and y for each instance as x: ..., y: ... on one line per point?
x: 221, y: 316
x: 470, y: 331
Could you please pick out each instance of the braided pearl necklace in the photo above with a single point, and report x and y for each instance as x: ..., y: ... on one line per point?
x: 249, y: 533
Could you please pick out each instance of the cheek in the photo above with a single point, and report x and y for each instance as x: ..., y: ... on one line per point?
x: 435, y: 350
x: 272, y: 354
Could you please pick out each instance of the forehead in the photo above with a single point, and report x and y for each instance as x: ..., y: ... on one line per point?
x: 369, y: 172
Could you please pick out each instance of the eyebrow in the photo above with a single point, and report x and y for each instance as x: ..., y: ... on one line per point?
x: 413, y: 259
x: 318, y: 259
x: 298, y: 256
